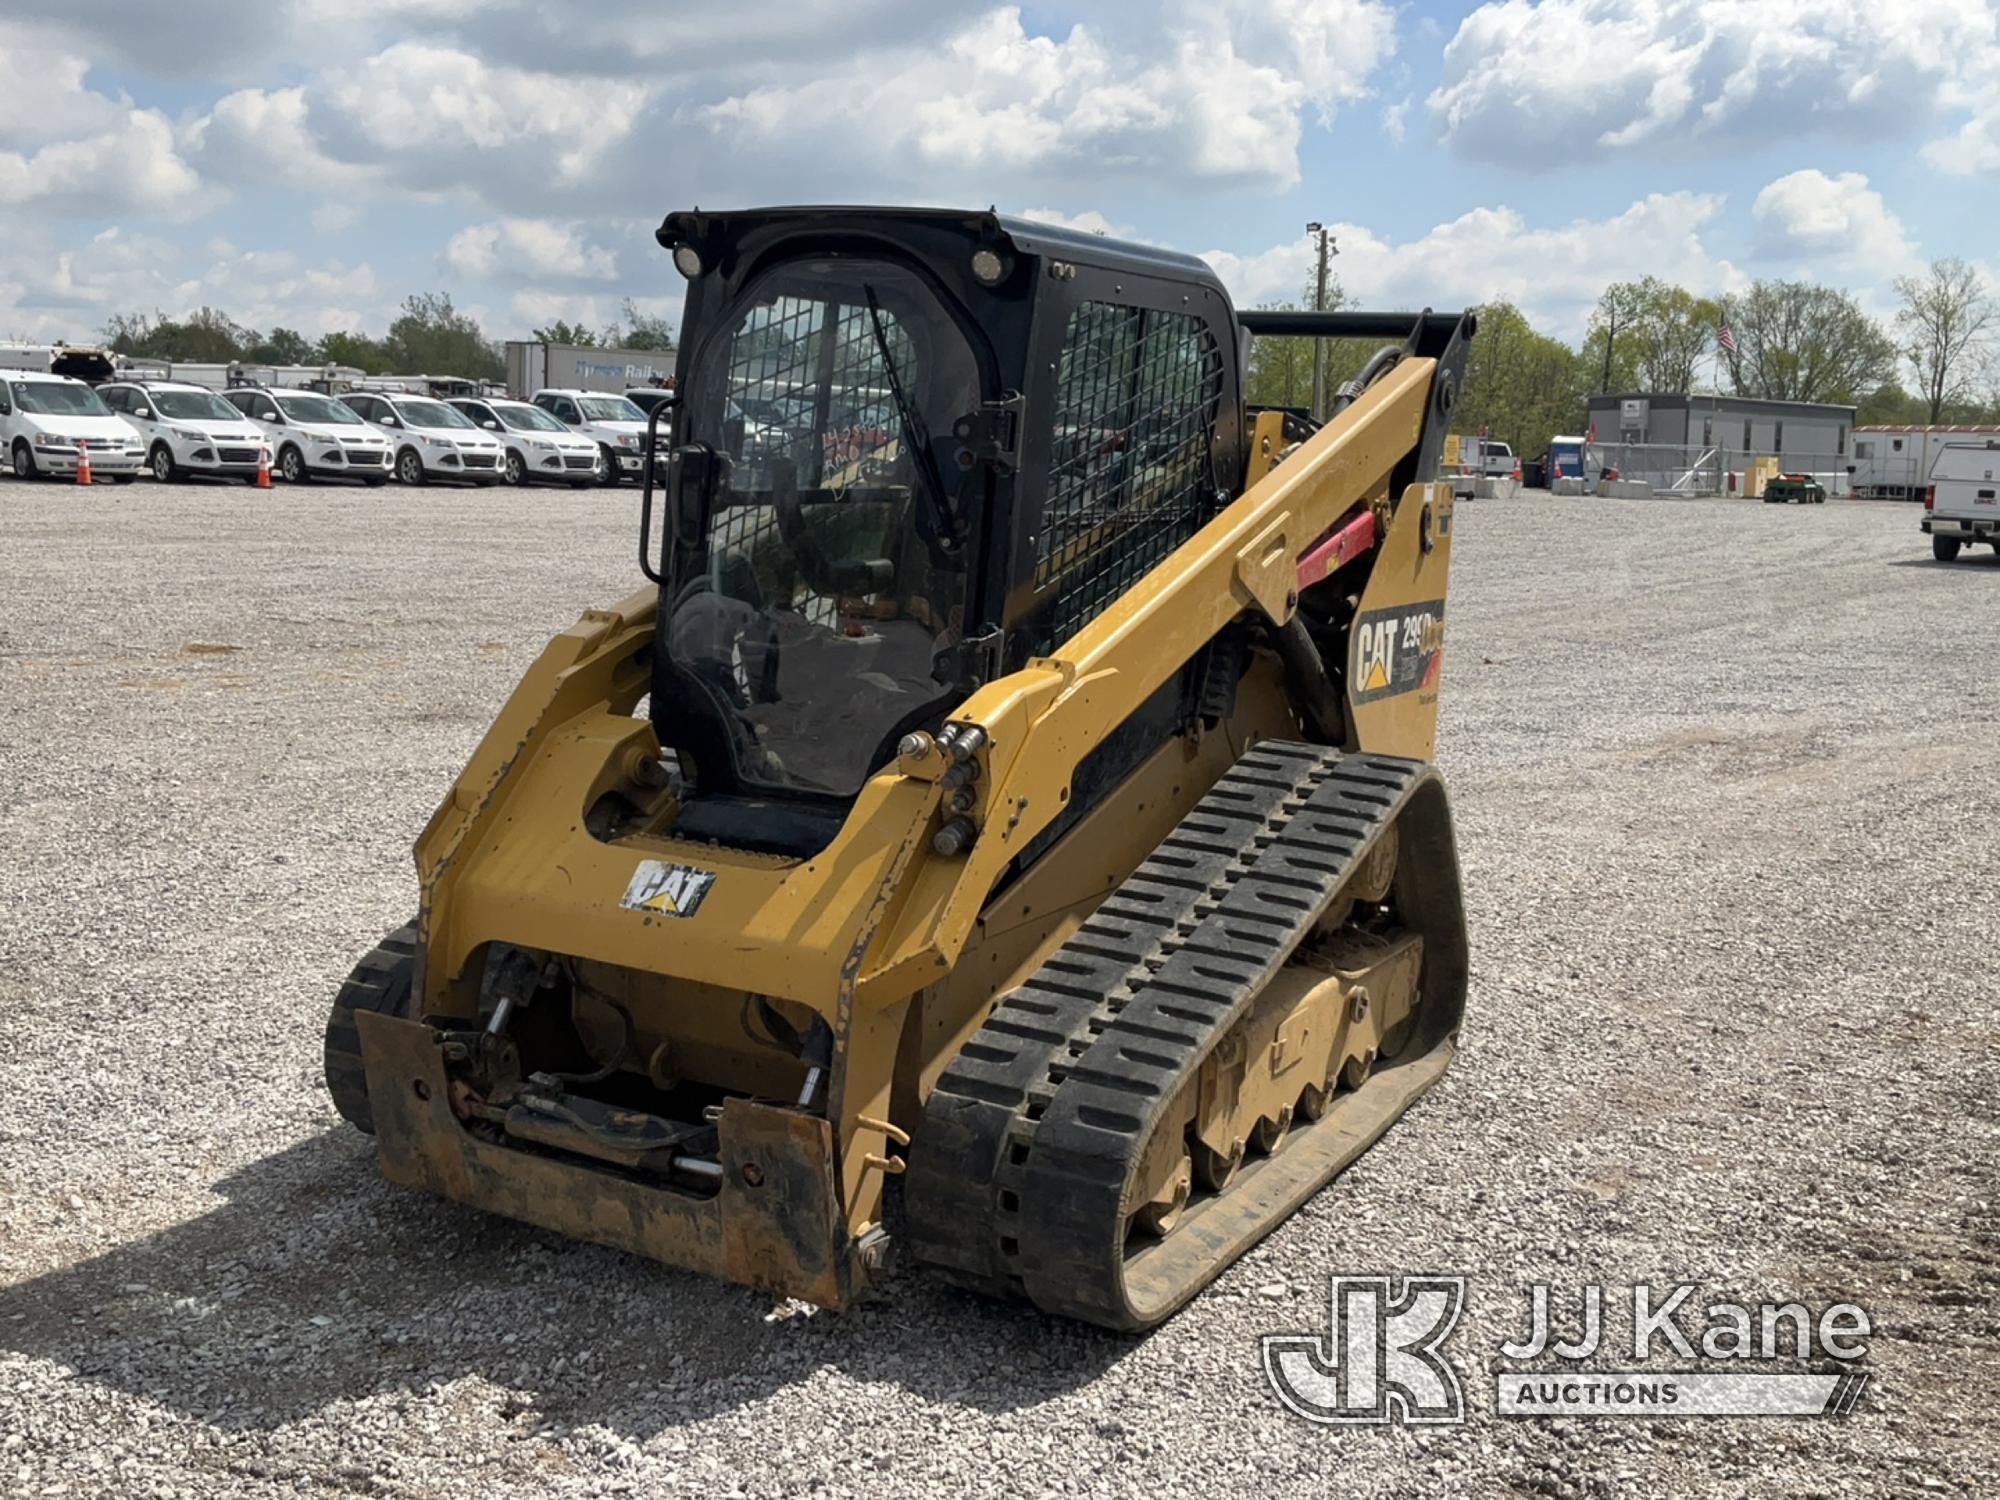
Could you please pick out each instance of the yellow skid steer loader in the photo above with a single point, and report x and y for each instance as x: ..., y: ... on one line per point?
x: 1001, y: 829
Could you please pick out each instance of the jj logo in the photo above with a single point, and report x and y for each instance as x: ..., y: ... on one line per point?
x: 1379, y: 1360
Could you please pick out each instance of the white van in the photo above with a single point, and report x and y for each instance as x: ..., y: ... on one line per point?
x: 49, y: 421
x: 1962, y: 505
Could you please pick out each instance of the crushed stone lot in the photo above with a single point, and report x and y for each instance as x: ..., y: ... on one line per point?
x: 1724, y: 778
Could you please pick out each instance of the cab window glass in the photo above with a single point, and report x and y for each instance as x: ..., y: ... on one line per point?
x: 821, y: 614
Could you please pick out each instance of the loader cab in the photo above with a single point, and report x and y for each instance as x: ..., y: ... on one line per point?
x: 915, y: 449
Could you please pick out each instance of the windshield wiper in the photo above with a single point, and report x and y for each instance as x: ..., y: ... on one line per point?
x: 915, y: 436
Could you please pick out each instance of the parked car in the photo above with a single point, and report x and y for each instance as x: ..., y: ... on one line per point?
x: 314, y: 436
x: 432, y: 441
x: 539, y: 448
x: 1794, y: 489
x: 189, y: 430
x: 50, y: 422
x: 1962, y: 502
x: 612, y: 422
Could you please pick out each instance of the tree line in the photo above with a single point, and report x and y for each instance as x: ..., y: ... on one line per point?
x: 429, y: 337
x: 1793, y: 341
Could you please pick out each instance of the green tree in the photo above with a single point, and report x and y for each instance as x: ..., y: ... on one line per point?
x: 1946, y: 325
x: 130, y: 333
x: 434, y: 338
x: 211, y: 336
x: 572, y: 334
x: 1672, y: 334
x: 1280, y: 371
x: 205, y: 336
x: 1889, y: 405
x: 643, y: 331
x: 283, y: 346
x: 1800, y: 342
x: 1523, y: 387
x: 355, y: 350
x: 1610, y: 344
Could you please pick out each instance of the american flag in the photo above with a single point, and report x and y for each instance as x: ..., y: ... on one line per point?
x: 1725, y: 340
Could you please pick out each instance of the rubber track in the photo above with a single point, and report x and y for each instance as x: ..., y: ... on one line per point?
x: 380, y: 982
x: 1048, y: 1104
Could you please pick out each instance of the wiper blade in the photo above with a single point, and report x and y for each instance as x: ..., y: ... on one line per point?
x: 916, y: 437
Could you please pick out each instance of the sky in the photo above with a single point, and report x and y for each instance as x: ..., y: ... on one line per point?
x: 308, y: 163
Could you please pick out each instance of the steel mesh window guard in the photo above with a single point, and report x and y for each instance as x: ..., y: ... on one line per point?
x: 805, y: 378
x: 808, y: 379
x: 1130, y: 479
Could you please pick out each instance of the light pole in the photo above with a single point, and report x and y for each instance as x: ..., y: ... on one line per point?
x: 1319, y: 305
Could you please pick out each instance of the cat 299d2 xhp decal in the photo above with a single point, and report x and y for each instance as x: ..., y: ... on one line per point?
x: 1397, y: 650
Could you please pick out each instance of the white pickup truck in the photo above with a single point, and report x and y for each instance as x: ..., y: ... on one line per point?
x: 1962, y: 504
x: 1481, y: 458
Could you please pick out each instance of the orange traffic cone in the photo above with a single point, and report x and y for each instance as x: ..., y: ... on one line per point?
x: 263, y: 468
x: 82, y: 465
x: 1517, y: 471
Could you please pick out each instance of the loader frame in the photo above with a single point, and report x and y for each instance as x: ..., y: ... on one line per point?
x: 870, y: 933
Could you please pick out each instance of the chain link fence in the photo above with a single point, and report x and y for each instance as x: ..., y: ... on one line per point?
x: 1672, y: 469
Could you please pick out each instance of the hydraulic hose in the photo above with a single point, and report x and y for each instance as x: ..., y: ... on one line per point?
x: 1379, y: 364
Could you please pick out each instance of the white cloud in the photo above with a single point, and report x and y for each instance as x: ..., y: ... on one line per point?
x: 1396, y: 121
x: 133, y: 165
x: 47, y: 291
x: 1839, y: 220
x: 1974, y: 149
x: 266, y: 137
x: 42, y: 92
x: 1563, y: 80
x: 1490, y: 254
x: 72, y: 150
x: 520, y: 250
x: 264, y: 289
x: 417, y: 99
x: 1214, y: 91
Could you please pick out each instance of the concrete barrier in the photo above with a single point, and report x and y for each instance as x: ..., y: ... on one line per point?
x: 1568, y: 486
x: 1625, y: 489
x: 1495, y: 489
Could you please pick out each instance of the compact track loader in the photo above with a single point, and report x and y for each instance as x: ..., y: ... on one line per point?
x: 1001, y: 827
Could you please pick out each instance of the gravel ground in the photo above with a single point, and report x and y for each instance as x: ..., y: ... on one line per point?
x: 1724, y: 780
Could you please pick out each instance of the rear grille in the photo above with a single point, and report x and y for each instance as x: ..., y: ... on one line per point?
x: 238, y: 455
x: 478, y: 460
